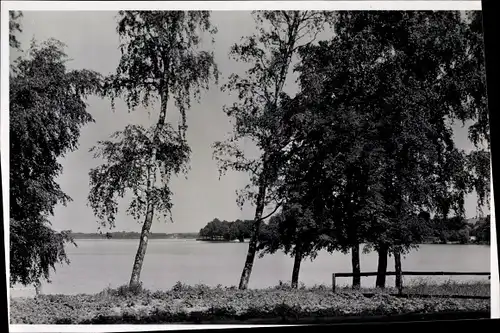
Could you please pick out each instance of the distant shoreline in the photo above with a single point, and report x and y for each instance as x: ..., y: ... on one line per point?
x: 132, y: 235
x: 137, y: 235
x: 194, y: 237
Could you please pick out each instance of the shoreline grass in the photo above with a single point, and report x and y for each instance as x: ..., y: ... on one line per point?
x: 191, y: 304
x: 428, y: 287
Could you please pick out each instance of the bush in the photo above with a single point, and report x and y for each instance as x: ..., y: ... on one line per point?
x: 185, y: 303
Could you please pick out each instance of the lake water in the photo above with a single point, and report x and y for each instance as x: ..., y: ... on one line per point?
x: 97, y: 264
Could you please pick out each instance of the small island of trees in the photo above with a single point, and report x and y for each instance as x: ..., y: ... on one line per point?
x: 217, y: 230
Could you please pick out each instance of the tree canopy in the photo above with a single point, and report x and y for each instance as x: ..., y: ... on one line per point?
x: 373, y: 142
x: 47, y: 111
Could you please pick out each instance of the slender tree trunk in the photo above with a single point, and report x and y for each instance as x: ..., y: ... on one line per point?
x: 398, y: 270
x: 143, y: 244
x: 296, y: 269
x: 356, y: 269
x: 38, y: 288
x: 148, y: 220
x: 382, y: 266
x: 252, y: 245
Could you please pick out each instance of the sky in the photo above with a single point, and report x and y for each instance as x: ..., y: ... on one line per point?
x: 92, y: 43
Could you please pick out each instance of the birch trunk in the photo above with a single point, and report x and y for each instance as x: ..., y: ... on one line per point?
x: 148, y: 220
x: 252, y: 246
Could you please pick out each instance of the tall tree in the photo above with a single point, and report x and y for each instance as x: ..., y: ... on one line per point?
x: 256, y: 115
x: 425, y: 73
x: 312, y: 182
x: 161, y: 59
x: 387, y: 74
x: 47, y: 111
x: 339, y: 140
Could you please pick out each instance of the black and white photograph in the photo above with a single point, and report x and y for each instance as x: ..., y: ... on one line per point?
x: 249, y: 164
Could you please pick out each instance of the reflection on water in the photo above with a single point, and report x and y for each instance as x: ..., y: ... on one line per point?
x: 96, y: 264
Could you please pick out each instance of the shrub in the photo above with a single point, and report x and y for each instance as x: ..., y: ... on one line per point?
x: 185, y: 303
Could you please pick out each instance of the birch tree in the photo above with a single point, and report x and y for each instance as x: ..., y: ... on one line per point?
x: 256, y: 115
x: 162, y: 59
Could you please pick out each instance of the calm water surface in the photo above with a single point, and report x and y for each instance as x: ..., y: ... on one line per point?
x: 97, y: 264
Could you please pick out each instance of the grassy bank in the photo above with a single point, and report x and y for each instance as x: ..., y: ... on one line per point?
x: 427, y: 287
x: 186, y: 304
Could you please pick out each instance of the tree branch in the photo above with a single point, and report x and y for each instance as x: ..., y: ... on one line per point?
x: 268, y: 215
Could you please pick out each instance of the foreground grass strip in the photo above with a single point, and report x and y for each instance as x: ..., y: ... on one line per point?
x: 426, y: 288
x: 199, y: 304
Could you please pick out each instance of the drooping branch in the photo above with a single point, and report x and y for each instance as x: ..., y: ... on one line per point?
x: 270, y: 214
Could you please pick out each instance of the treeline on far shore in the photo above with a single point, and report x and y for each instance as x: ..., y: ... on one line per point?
x: 462, y: 231
x: 450, y: 231
x: 444, y: 231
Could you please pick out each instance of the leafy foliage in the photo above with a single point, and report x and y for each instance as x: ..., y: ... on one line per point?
x: 384, y: 76
x: 482, y: 230
x: 257, y: 116
x: 159, y: 59
x: 47, y: 110
x: 14, y: 27
x: 478, y: 167
x: 127, y: 156
x: 35, y: 250
x: 224, y: 230
x: 292, y: 230
x: 161, y: 56
x: 370, y: 144
x: 364, y: 152
x: 427, y: 176
x: 457, y: 229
